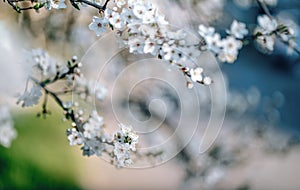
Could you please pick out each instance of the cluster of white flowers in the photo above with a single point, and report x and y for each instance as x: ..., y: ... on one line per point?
x: 95, y: 141
x: 143, y: 29
x: 41, y: 63
x: 196, y: 75
x: 225, y: 49
x: 125, y: 140
x: 55, y: 4
x: 268, y: 29
x: 74, y: 137
x: 90, y: 134
x: 86, y: 132
x: 266, y: 32
x: 7, y: 131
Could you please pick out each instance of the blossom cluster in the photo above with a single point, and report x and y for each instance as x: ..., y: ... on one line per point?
x: 96, y: 141
x: 268, y: 29
x: 125, y: 140
x: 7, y: 131
x: 225, y: 49
x: 55, y: 4
x: 196, y: 75
x: 144, y: 30
x: 90, y: 134
x: 40, y: 63
x: 86, y: 131
x: 265, y: 34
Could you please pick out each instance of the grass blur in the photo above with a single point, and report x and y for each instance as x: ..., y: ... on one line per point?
x: 40, y: 158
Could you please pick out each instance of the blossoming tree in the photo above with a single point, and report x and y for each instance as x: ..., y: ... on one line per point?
x: 141, y: 28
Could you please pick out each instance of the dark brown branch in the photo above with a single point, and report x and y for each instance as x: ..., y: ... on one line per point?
x: 264, y: 7
x: 18, y: 9
x: 99, y: 7
x: 87, y: 2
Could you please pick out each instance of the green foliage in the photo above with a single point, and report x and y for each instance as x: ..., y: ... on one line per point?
x: 38, y: 158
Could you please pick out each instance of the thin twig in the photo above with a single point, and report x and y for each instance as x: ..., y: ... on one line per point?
x: 264, y: 7
x: 99, y: 7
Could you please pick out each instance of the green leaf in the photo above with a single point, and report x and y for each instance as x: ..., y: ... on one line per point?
x: 42, y: 5
x: 18, y: 9
x: 36, y: 6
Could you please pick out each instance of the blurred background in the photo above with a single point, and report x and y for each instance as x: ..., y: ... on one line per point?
x: 257, y: 147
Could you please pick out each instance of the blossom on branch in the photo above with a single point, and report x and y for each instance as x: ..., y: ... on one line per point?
x: 99, y: 25
x: 55, y: 4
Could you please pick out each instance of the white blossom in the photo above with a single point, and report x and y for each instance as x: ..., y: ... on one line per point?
x: 136, y: 45
x: 230, y: 47
x: 117, y: 21
x: 225, y: 49
x: 108, y: 13
x: 148, y: 31
x: 134, y: 29
x: 286, y: 36
x: 99, y: 25
x: 268, y: 24
x: 126, y: 135
x: 30, y: 98
x: 122, y: 155
x: 170, y: 53
x: 125, y: 141
x: 74, y: 137
x: 266, y: 42
x: 139, y: 10
x: 205, y: 31
x: 207, y: 81
x: 238, y: 29
x: 213, y: 43
x: 151, y: 47
x: 196, y: 74
x: 149, y: 17
x: 127, y: 15
x: 55, y: 4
